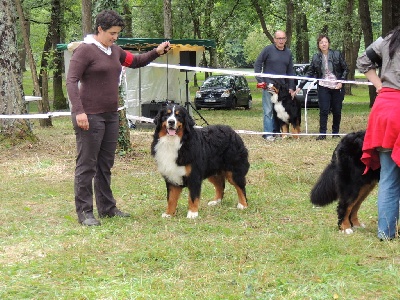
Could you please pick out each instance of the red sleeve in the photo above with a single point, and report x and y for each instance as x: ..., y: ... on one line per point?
x: 128, y: 59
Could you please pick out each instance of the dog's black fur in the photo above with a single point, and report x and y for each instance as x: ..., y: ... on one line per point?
x: 186, y: 155
x: 291, y: 106
x: 342, y: 179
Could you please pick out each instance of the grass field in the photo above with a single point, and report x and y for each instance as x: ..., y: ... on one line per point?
x: 279, y: 248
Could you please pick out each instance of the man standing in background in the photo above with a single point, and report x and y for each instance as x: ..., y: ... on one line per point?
x: 274, y: 59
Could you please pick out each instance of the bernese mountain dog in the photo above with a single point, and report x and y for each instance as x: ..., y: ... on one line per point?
x: 343, y: 179
x: 286, y: 109
x: 186, y: 155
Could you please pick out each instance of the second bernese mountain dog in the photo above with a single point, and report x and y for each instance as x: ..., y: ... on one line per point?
x: 343, y: 180
x: 287, y: 109
x: 186, y: 155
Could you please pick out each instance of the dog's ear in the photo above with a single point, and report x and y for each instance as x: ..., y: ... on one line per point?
x: 189, y: 122
x: 157, y: 118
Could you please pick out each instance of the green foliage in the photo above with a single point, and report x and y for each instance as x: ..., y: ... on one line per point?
x: 253, y: 45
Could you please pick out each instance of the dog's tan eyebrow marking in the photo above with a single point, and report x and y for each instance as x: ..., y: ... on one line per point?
x: 169, y: 111
x: 177, y: 112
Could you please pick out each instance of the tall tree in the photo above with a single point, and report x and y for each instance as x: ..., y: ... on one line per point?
x: 261, y: 17
x: 43, y: 106
x: 167, y: 19
x: 351, y: 40
x: 12, y: 94
x: 366, y: 26
x: 289, y: 21
x: 390, y: 15
x: 59, y: 101
x: 86, y: 17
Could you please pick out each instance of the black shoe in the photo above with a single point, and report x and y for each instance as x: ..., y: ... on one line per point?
x: 115, y: 213
x: 91, y: 222
x: 321, y: 137
x: 87, y: 219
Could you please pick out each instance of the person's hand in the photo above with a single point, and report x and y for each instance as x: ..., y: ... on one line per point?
x: 292, y: 93
x: 82, y: 121
x: 163, y: 48
x: 378, y: 89
x: 339, y: 86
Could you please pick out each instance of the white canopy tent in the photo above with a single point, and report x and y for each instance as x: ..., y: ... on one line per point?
x: 146, y: 88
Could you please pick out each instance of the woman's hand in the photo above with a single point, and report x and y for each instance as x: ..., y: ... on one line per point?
x: 163, y: 48
x: 82, y: 121
x: 339, y: 86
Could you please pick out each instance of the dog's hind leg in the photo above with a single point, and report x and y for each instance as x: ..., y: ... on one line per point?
x: 194, y: 186
x: 218, y: 181
x: 350, y: 217
x: 173, y: 194
x: 240, y: 186
x: 364, y: 192
x: 296, y: 130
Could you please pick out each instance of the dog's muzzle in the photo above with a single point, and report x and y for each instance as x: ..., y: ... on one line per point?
x: 171, y: 127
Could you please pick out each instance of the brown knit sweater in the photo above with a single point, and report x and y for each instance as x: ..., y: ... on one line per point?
x: 98, y: 74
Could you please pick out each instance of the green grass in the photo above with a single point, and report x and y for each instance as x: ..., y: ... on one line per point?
x: 279, y: 248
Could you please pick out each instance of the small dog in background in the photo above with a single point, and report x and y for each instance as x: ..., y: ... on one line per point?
x: 186, y: 155
x: 286, y: 109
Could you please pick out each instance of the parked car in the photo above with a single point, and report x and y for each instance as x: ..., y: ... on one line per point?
x: 224, y: 91
x: 312, y: 99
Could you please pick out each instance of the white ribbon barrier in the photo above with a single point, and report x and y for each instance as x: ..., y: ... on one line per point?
x: 196, y: 69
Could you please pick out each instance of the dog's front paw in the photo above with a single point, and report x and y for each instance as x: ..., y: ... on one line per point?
x: 348, y: 231
x: 241, y: 206
x: 214, y: 202
x: 192, y: 214
x: 165, y: 215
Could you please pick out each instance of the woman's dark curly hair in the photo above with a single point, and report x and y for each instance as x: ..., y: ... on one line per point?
x: 394, y: 41
x: 107, y: 19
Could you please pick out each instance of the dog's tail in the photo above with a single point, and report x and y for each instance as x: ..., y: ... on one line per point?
x: 325, y: 191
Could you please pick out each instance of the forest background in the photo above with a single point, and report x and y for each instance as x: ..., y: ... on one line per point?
x: 31, y: 31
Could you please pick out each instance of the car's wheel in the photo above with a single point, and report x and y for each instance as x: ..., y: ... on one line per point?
x: 249, y: 103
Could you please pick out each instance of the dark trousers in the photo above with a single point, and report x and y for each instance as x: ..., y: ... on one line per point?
x: 330, y: 100
x: 95, y: 157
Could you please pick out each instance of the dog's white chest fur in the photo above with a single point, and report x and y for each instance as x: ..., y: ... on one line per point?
x: 280, y: 110
x: 166, y: 153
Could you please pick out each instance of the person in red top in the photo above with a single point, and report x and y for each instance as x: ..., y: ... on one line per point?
x: 381, y: 146
x: 92, y: 85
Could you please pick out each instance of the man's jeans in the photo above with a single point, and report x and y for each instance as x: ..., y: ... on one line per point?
x: 268, y: 118
x: 388, y: 196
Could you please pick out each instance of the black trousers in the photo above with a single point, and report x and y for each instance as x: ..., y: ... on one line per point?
x: 95, y: 157
x: 330, y: 100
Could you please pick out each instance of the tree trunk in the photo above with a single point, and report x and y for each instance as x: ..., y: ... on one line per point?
x: 167, y: 19
x: 302, y: 45
x: 127, y: 18
x: 289, y: 22
x: 87, y: 17
x: 12, y: 94
x: 351, y: 42
x: 366, y: 26
x: 124, y: 135
x: 41, y: 105
x: 22, y: 50
x: 59, y: 99
x: 390, y: 15
x: 260, y: 14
